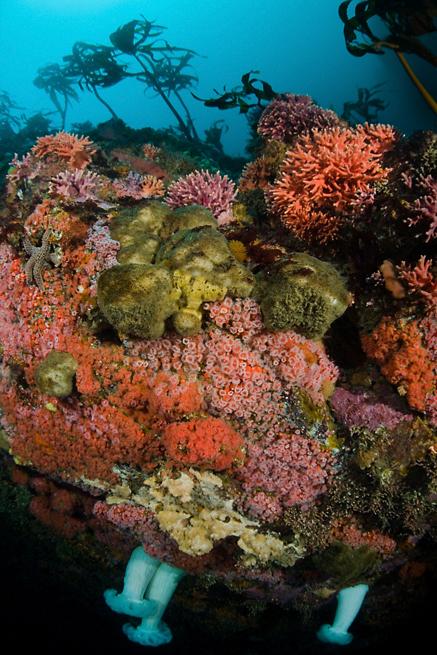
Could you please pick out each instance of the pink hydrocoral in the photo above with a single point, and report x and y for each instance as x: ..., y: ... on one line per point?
x: 139, y: 186
x: 67, y: 147
x: 214, y: 192
x: 324, y: 173
x: 76, y: 186
x: 26, y: 169
x: 424, y: 209
x: 291, y: 115
x: 420, y: 279
x: 204, y: 442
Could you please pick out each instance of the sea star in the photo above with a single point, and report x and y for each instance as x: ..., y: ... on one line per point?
x: 39, y: 255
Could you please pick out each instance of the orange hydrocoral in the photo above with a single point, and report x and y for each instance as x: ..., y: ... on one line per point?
x: 326, y: 171
x: 152, y: 187
x: 256, y: 175
x: 420, y: 279
x: 140, y: 165
x: 151, y: 151
x: 397, y: 346
x: 70, y: 148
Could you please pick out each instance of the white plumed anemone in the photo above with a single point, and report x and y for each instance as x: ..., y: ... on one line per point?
x: 152, y: 631
x: 349, y: 604
x: 148, y: 587
x: 139, y: 571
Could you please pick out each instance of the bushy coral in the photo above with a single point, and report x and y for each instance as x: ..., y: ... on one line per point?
x: 324, y: 173
x: 424, y: 209
x: 74, y: 150
x: 76, y: 186
x: 291, y: 115
x: 214, y: 192
x: 420, y: 279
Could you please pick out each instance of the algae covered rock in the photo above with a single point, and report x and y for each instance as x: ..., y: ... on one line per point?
x: 137, y: 298
x: 191, y: 216
x: 163, y: 276
x: 142, y: 251
x: 301, y: 293
x: 142, y: 230
x: 132, y: 223
x: 54, y: 376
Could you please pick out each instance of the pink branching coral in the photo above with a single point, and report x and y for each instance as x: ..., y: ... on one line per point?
x: 420, y: 279
x: 138, y: 186
x: 70, y: 148
x: 76, y: 186
x: 425, y: 208
x: 26, y: 169
x: 323, y: 174
x: 291, y: 115
x: 214, y: 192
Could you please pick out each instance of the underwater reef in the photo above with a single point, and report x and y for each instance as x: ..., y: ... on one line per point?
x: 237, y: 373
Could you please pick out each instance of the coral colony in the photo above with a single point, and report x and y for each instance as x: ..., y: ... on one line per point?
x: 238, y: 375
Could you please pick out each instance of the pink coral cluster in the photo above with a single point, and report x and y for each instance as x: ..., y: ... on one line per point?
x: 420, y: 279
x: 245, y: 369
x: 214, y: 192
x: 138, y: 186
x: 325, y: 172
x: 283, y: 470
x: 76, y: 186
x: 424, y: 209
x: 291, y: 115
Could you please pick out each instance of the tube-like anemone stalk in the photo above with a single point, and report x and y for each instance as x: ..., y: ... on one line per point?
x: 349, y: 603
x: 152, y: 631
x: 139, y: 571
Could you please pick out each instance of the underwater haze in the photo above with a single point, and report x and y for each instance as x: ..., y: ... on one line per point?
x: 297, y: 46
